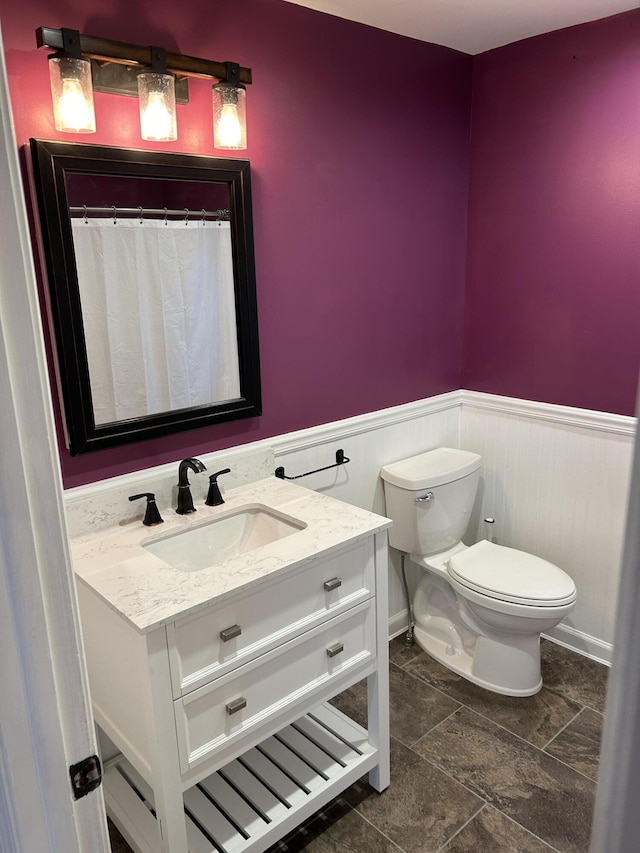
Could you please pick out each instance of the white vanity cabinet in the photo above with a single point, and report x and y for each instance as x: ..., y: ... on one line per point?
x: 225, y: 741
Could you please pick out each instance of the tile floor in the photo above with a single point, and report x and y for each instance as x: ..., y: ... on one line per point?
x: 471, y: 771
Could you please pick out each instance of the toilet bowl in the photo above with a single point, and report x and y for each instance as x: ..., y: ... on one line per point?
x: 479, y: 610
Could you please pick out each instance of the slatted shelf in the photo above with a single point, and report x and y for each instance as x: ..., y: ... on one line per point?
x: 250, y: 803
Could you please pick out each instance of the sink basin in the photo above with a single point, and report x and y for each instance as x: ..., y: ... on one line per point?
x: 211, y: 543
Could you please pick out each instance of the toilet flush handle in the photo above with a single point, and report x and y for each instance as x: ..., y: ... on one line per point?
x: 424, y: 499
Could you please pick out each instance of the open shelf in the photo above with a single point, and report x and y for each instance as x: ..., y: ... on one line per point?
x: 257, y: 798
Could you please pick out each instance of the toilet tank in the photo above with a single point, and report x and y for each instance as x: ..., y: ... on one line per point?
x: 433, y: 525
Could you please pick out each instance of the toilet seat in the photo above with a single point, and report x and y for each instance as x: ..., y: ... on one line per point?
x: 511, y: 576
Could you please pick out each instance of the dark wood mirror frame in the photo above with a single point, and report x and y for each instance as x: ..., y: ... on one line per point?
x: 52, y: 162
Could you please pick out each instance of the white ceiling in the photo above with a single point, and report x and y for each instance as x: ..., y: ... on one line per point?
x: 471, y: 26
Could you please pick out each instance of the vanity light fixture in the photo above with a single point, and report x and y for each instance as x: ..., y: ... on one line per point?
x: 84, y: 63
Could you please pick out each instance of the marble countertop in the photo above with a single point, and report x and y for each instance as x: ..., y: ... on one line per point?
x: 148, y: 593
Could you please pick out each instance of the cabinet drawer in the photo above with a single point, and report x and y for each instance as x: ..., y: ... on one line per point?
x: 240, y: 702
x: 208, y: 645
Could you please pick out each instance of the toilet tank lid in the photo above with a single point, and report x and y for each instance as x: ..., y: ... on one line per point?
x: 433, y: 468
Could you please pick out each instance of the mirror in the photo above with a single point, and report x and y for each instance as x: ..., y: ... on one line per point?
x: 149, y: 260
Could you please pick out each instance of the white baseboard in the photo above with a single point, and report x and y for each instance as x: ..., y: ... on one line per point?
x: 397, y: 624
x: 582, y: 643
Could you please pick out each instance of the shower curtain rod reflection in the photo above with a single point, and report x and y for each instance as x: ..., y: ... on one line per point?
x: 185, y: 213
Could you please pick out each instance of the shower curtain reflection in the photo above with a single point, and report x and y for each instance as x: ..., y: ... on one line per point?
x: 158, y: 308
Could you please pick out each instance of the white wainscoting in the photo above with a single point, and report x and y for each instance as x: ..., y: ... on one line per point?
x: 556, y: 480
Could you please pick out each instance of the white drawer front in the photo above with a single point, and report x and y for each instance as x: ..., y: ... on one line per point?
x: 208, y: 645
x: 235, y: 704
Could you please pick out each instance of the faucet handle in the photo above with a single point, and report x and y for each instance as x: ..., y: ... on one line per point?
x: 152, y: 513
x: 214, y: 498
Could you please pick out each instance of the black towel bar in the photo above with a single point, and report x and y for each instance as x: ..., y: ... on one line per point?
x: 341, y: 459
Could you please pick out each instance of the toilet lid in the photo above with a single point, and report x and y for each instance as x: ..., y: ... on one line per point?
x: 511, y: 575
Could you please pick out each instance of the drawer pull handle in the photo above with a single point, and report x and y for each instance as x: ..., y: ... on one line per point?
x: 334, y: 650
x: 334, y: 583
x: 229, y: 633
x: 236, y: 705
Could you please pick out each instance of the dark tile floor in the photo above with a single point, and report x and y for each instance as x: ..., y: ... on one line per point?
x: 471, y: 771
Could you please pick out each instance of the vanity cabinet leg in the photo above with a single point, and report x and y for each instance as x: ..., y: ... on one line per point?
x: 169, y: 804
x: 378, y: 682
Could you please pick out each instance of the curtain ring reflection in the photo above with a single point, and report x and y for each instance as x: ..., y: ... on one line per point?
x: 204, y: 215
x: 186, y: 216
x: 166, y: 213
x: 86, y: 219
x: 115, y: 218
x: 140, y: 215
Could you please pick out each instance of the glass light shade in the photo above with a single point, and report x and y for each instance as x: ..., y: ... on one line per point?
x: 157, y: 95
x: 229, y: 116
x: 72, y: 94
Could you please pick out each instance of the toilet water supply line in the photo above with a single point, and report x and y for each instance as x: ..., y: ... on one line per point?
x: 408, y: 637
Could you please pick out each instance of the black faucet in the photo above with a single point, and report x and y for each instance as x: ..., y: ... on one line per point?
x: 185, y: 501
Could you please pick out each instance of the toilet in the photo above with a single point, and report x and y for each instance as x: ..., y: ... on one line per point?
x: 478, y: 610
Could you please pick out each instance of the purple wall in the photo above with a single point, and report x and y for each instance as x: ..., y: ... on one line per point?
x: 359, y: 147
x: 553, y: 270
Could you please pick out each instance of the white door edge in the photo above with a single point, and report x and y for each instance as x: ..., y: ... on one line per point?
x: 616, y: 823
x: 45, y: 722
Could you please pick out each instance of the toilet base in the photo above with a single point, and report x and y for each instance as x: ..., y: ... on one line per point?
x: 489, y: 662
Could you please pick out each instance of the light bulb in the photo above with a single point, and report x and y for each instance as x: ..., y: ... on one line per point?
x: 156, y: 122
x: 229, y: 130
x: 74, y: 110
